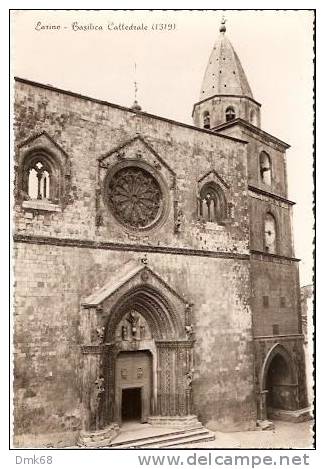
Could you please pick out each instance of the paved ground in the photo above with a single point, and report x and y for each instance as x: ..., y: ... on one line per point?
x: 285, y: 435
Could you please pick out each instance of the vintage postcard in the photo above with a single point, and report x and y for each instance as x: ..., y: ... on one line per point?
x: 162, y: 229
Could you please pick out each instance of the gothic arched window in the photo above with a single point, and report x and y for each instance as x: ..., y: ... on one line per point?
x: 270, y: 234
x: 212, y: 203
x: 40, y: 177
x: 206, y: 120
x: 265, y: 168
x: 230, y: 113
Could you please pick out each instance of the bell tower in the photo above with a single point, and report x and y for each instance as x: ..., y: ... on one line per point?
x: 225, y: 92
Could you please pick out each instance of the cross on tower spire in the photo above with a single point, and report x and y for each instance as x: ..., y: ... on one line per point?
x: 136, y: 106
x: 222, y: 28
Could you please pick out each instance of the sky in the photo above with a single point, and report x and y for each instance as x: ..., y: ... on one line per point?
x: 275, y: 49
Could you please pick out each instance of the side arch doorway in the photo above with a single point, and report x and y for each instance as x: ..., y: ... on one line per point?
x: 279, y: 382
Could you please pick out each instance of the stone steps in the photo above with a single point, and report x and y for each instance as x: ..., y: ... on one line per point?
x: 188, y: 440
x: 174, y: 438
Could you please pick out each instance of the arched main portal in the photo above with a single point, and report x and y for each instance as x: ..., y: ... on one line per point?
x: 137, y: 348
x: 278, y: 382
x: 147, y: 353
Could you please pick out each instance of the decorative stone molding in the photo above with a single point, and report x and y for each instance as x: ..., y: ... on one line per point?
x: 178, y: 218
x: 189, y: 378
x: 213, y: 204
x: 100, y: 331
x: 41, y: 149
x: 142, y: 146
x: 100, y: 388
x: 146, y: 199
x: 41, y: 205
x: 189, y: 330
x: 175, y: 343
x: 144, y: 259
x: 137, y: 247
x: 212, y: 176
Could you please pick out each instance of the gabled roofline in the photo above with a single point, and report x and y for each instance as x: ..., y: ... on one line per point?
x: 146, y: 144
x: 213, y: 171
x: 253, y: 128
x: 257, y: 190
x: 226, y: 96
x: 38, y: 135
x: 123, y: 108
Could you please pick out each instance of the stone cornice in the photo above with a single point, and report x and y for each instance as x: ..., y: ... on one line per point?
x: 123, y: 108
x: 226, y: 96
x: 273, y: 256
x: 175, y: 343
x: 257, y: 190
x: 82, y: 243
x: 253, y: 129
x: 279, y: 337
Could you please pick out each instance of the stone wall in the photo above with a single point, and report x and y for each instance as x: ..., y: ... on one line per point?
x: 245, y: 108
x: 63, y: 256
x: 275, y: 296
x: 260, y: 205
x: 87, y: 130
x: 51, y: 282
x: 256, y: 144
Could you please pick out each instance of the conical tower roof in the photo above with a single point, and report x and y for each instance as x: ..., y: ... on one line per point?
x: 224, y: 74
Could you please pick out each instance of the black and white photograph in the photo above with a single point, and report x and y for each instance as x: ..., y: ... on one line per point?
x: 162, y: 229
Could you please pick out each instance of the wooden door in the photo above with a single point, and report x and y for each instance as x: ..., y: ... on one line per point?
x: 133, y: 373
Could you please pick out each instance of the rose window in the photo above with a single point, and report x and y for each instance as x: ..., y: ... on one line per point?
x: 135, y: 197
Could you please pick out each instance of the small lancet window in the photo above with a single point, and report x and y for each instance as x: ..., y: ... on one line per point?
x: 265, y: 168
x: 212, y: 203
x: 270, y: 234
x: 206, y: 120
x: 230, y: 114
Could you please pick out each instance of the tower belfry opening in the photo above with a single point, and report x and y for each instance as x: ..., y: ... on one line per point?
x: 225, y: 92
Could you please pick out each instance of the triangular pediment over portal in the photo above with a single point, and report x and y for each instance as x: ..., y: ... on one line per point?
x: 131, y: 274
x: 134, y: 283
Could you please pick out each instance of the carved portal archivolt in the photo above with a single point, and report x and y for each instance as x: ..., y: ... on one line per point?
x: 143, y: 317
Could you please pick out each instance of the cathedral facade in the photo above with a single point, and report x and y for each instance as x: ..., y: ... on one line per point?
x: 154, y: 265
